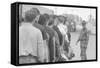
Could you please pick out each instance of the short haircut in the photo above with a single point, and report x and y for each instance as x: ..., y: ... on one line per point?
x: 51, y: 22
x: 43, y: 19
x: 36, y: 11
x: 30, y: 16
x: 47, y: 16
x: 61, y: 18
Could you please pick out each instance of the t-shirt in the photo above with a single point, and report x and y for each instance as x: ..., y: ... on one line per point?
x: 30, y: 41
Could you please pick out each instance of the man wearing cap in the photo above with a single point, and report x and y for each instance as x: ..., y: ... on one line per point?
x: 83, y: 38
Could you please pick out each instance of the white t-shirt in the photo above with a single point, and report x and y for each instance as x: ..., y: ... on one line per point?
x: 30, y: 41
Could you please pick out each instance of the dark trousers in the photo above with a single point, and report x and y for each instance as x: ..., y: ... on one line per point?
x: 51, y: 50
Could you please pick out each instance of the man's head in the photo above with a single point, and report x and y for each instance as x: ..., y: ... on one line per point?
x: 37, y: 12
x: 51, y: 20
x: 56, y: 22
x: 83, y: 23
x: 30, y: 16
x: 61, y: 19
x: 43, y: 20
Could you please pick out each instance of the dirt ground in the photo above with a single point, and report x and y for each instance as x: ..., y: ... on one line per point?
x: 91, y: 49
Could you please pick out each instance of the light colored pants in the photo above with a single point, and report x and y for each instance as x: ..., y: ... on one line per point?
x: 27, y: 59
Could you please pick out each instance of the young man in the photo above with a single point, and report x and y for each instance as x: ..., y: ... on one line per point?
x: 83, y: 38
x: 63, y: 29
x: 56, y: 39
x: 42, y: 29
x: 44, y: 20
x: 67, y: 52
x: 60, y: 38
x: 39, y: 26
x: 31, y: 48
x: 56, y: 22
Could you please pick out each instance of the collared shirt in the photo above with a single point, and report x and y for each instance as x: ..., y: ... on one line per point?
x: 84, y: 34
x: 84, y: 37
x: 59, y: 34
x: 62, y: 29
x: 30, y: 41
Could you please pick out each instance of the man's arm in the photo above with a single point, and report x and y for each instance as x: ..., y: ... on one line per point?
x: 40, y: 46
x: 57, y: 38
x: 88, y: 34
x: 79, y: 37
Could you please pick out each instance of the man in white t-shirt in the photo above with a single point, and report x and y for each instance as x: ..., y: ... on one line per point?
x: 31, y: 48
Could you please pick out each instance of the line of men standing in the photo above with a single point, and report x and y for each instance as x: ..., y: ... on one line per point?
x: 42, y: 39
